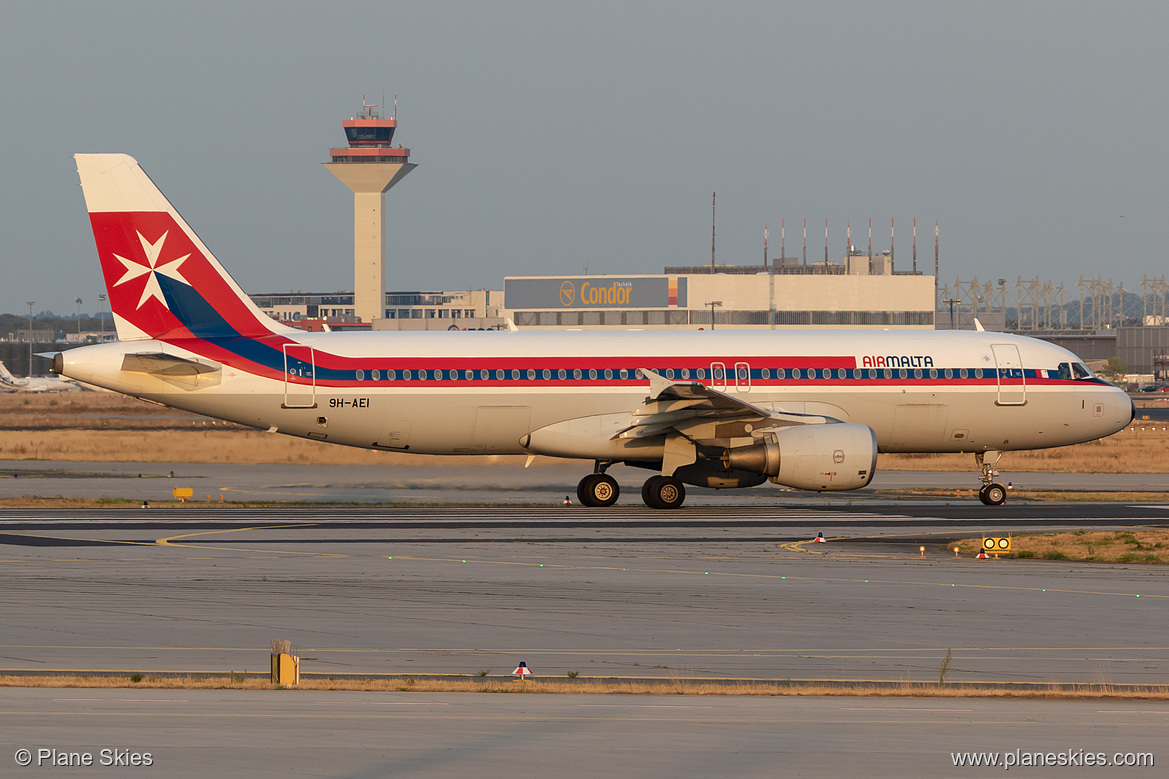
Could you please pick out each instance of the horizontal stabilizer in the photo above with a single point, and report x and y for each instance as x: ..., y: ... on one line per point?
x: 166, y: 365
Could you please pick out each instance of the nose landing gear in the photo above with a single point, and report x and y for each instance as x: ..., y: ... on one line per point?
x: 992, y: 493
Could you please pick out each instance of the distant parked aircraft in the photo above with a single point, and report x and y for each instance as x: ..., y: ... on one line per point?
x: 51, y: 384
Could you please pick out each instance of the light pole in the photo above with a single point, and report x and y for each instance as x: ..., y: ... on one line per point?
x: 30, y: 303
x: 952, y: 301
x: 78, y: 300
x: 102, y: 313
x: 712, y: 304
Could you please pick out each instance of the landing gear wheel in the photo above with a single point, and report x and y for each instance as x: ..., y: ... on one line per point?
x: 993, y: 494
x: 598, y: 490
x: 663, y: 492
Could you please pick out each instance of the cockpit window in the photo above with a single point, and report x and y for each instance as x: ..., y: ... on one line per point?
x: 1074, y: 370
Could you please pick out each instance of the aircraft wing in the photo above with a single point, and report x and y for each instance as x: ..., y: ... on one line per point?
x: 698, y: 411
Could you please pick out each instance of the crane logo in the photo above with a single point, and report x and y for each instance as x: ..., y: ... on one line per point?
x: 567, y: 293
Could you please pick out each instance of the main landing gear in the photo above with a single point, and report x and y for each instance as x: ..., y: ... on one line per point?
x: 663, y: 492
x: 992, y: 493
x: 599, y: 489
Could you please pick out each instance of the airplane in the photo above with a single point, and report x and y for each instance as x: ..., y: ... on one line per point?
x: 723, y: 409
x: 50, y: 384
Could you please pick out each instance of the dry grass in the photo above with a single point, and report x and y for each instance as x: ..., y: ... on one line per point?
x: 1133, y: 450
x: 1123, y: 546
x: 604, y: 686
x: 1054, y: 496
x: 104, y: 427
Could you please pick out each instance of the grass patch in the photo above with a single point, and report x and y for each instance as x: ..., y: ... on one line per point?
x: 1144, y: 547
x: 1137, y: 449
x: 602, y: 686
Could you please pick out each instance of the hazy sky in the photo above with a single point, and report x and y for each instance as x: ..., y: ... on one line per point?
x: 553, y: 135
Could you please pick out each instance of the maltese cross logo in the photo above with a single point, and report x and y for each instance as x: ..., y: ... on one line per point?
x: 169, y: 268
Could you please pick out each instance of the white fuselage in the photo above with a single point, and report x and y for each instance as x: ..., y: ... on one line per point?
x: 483, y: 392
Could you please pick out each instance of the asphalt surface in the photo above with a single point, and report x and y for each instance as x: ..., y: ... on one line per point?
x: 705, y: 593
x: 545, y: 484
x: 213, y: 733
x: 702, y: 593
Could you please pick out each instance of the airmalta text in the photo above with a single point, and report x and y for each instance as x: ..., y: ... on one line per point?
x: 893, y: 361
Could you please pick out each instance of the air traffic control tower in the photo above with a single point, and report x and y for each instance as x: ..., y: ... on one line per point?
x: 369, y: 167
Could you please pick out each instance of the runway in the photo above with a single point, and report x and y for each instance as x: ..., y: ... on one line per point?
x: 544, y: 484
x: 702, y: 593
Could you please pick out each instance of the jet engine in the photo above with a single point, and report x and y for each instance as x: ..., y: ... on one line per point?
x: 834, y: 456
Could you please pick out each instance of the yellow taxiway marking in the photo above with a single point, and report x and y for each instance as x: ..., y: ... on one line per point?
x: 88, y: 540
x: 798, y: 546
x: 170, y: 540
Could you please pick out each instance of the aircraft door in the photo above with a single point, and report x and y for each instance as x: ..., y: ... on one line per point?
x: 742, y: 377
x: 718, y: 376
x: 300, y: 377
x: 1011, y: 382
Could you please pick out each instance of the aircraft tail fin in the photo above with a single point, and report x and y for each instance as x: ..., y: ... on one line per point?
x: 162, y: 281
x: 6, y: 376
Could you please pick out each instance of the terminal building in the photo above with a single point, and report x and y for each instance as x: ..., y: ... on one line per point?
x: 784, y: 296
x: 854, y: 294
x: 452, y: 310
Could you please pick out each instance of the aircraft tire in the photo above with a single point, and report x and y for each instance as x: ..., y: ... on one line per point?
x: 993, y: 494
x: 646, y: 490
x: 663, y: 492
x: 584, y: 490
x: 598, y: 490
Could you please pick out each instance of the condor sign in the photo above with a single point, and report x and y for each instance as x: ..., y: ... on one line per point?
x: 559, y: 292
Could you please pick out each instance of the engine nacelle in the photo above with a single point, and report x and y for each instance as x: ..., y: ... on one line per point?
x: 834, y: 456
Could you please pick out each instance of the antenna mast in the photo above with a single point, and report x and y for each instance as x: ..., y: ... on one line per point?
x: 712, y: 201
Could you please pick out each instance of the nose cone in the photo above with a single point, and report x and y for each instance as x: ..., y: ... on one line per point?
x: 1120, y: 410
